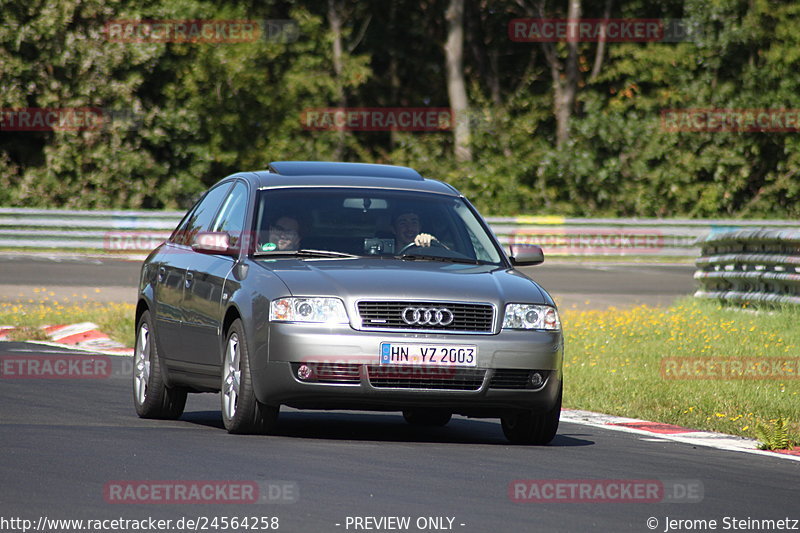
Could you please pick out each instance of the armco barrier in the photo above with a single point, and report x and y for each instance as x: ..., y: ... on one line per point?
x: 141, y: 231
x: 751, y: 265
x: 562, y: 236
x: 86, y: 231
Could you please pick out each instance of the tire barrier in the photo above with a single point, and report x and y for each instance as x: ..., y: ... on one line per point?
x: 751, y: 265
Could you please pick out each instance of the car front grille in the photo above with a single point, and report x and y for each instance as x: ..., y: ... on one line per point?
x: 433, y: 378
x: 467, y: 317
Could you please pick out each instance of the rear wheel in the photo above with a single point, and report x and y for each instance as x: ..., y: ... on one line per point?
x: 151, y: 397
x: 241, y: 411
x: 427, y: 417
x: 529, y: 427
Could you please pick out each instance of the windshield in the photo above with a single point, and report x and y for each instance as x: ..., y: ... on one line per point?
x: 370, y: 222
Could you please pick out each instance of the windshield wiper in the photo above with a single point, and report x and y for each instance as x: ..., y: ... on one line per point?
x: 305, y: 253
x: 428, y: 257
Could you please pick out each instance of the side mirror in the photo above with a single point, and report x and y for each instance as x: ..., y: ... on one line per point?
x: 213, y: 242
x: 527, y: 255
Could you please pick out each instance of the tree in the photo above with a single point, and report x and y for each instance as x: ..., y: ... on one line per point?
x: 456, y: 86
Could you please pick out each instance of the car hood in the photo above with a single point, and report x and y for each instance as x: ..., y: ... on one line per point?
x: 354, y: 279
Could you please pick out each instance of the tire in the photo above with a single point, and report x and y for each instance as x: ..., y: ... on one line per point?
x: 530, y: 427
x: 241, y: 412
x: 151, y: 397
x: 427, y: 418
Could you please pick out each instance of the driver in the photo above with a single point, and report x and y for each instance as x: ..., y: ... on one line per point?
x: 284, y: 233
x: 406, y: 227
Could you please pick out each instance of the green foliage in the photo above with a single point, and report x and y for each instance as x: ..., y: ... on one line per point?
x: 774, y: 436
x: 204, y: 110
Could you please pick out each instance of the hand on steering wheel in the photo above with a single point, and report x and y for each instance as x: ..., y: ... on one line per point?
x: 423, y: 240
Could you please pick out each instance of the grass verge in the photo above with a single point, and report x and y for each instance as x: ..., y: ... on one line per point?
x: 115, y: 319
x: 616, y: 363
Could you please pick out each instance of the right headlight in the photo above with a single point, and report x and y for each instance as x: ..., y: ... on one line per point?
x: 319, y: 310
x: 529, y: 316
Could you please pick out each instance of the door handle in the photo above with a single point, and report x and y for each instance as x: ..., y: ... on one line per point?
x: 189, y: 278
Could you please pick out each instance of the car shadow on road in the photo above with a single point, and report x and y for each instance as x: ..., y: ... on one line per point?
x: 382, y: 427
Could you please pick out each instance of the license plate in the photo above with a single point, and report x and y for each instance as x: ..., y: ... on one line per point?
x: 429, y: 354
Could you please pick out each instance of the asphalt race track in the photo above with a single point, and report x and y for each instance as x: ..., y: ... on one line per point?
x: 65, y: 441
x: 67, y: 444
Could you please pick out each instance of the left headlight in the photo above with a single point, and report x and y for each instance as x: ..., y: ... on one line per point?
x: 528, y: 316
x: 319, y: 310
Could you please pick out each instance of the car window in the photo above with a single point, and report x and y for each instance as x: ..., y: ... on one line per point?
x: 231, y: 216
x: 364, y: 222
x: 480, y: 241
x: 201, y: 216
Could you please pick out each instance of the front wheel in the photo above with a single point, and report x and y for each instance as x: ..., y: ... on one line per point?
x: 151, y: 397
x: 529, y: 427
x: 241, y: 411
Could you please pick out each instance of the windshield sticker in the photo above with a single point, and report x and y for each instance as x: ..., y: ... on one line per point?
x: 268, y: 246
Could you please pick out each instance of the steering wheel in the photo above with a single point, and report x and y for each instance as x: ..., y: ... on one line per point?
x: 434, y: 243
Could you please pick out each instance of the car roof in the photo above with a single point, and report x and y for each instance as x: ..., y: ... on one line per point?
x: 325, y: 168
x: 329, y: 174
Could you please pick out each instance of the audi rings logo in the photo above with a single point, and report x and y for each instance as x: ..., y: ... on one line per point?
x: 427, y: 316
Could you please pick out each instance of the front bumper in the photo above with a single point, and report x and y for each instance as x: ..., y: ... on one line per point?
x: 275, y: 380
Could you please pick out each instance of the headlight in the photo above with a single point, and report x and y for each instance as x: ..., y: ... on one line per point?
x: 320, y: 310
x: 526, y: 316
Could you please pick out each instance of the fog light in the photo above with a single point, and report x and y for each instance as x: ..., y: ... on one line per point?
x: 304, y: 372
x: 537, y: 380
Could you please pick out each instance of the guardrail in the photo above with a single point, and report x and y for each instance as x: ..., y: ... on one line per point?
x: 88, y: 231
x: 619, y: 237
x: 752, y: 265
x: 141, y: 231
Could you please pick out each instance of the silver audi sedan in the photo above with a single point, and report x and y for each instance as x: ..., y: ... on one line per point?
x: 321, y: 285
